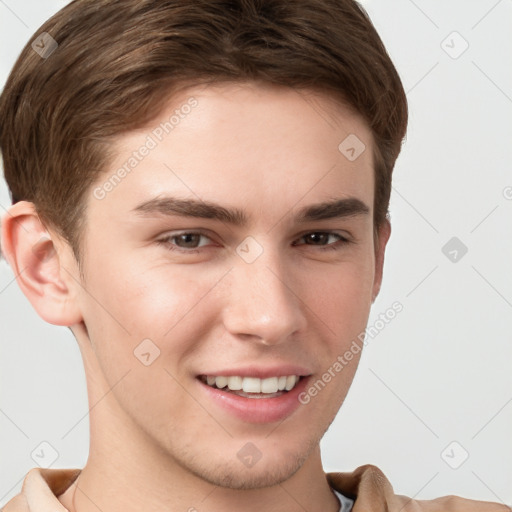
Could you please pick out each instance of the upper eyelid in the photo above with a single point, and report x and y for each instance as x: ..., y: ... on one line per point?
x: 173, y: 234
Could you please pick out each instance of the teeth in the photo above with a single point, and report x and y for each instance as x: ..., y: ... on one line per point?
x: 221, y: 382
x: 253, y: 384
x: 235, y: 383
x: 269, y: 385
x: 290, y: 382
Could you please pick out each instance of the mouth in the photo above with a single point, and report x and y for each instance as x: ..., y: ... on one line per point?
x: 255, y: 394
x: 252, y: 387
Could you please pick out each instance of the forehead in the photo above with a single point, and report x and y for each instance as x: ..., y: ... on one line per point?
x: 244, y: 145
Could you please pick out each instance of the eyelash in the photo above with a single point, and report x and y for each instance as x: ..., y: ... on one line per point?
x: 330, y: 247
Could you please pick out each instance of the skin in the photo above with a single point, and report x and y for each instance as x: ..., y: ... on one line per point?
x: 268, y: 151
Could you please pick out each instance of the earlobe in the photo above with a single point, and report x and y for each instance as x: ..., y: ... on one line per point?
x: 384, y: 234
x: 39, y: 268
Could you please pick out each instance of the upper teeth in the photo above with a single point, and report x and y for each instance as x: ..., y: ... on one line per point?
x: 253, y: 384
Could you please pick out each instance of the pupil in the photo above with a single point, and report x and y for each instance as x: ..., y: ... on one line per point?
x: 186, y: 237
x: 318, y: 236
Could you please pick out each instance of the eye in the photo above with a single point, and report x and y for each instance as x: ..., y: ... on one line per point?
x: 186, y: 241
x: 189, y: 241
x: 322, y: 237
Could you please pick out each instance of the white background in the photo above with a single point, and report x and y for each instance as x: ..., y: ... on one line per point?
x: 440, y: 371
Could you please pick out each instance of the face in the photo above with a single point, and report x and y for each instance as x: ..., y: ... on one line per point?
x: 211, y: 256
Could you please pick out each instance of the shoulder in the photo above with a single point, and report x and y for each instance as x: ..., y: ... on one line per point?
x: 16, y: 504
x: 451, y: 504
x: 40, y: 489
x: 371, y: 490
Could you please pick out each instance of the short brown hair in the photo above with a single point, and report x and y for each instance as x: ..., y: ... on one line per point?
x: 117, y: 60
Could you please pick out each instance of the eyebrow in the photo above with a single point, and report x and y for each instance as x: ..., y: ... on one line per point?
x: 173, y: 206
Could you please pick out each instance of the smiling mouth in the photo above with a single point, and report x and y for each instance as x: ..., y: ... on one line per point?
x: 252, y: 387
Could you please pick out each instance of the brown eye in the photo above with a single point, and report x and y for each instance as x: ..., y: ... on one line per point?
x: 321, y: 239
x: 185, y: 241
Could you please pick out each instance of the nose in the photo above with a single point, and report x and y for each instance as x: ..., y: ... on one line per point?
x: 263, y: 300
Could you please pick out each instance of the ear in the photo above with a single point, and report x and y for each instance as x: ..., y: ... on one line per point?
x: 39, y: 264
x: 380, y: 246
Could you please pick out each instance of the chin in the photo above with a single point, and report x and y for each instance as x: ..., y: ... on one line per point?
x: 266, y: 472
x: 235, y: 476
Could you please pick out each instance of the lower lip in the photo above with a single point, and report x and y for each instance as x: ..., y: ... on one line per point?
x: 257, y: 410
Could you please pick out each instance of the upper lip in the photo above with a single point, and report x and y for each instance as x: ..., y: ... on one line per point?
x: 261, y: 372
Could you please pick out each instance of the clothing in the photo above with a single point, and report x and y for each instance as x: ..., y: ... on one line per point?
x: 367, y: 486
x: 372, y: 492
x: 346, y: 504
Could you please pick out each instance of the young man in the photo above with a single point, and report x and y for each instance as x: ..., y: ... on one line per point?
x: 200, y: 193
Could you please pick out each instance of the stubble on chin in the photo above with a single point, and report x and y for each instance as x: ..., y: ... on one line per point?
x: 234, y: 475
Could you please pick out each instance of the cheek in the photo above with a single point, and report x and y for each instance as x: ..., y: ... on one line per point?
x: 142, y: 326
x: 125, y: 305
x: 341, y: 296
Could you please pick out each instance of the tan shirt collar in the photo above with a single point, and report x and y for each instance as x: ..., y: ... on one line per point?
x: 367, y: 485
